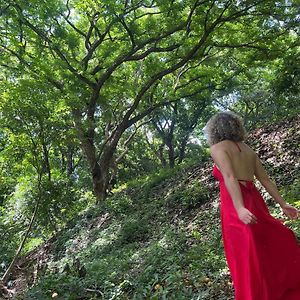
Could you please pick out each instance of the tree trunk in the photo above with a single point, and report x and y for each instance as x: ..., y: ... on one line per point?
x: 182, y: 149
x: 46, y: 162
x: 99, y: 163
x: 100, y: 180
x: 100, y: 166
x: 62, y: 160
x: 98, y: 171
x: 161, y: 155
x: 171, y: 154
x: 70, y: 164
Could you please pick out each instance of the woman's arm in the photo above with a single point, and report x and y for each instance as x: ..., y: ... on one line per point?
x: 222, y: 160
x: 270, y: 186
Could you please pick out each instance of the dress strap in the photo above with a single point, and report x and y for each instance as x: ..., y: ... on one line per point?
x: 238, y: 146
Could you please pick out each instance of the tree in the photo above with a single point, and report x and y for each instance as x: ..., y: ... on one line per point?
x: 106, y: 57
x: 31, y: 160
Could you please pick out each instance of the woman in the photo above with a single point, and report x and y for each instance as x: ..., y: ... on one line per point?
x: 263, y: 255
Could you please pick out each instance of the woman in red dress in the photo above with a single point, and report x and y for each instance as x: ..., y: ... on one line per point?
x: 263, y: 255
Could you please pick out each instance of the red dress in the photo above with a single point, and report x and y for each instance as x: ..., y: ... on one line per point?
x: 263, y: 258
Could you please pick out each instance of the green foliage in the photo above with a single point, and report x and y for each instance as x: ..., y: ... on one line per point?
x: 143, y: 251
x: 134, y: 230
x: 120, y: 204
x: 32, y: 244
x: 10, y: 233
x: 74, y: 73
x: 65, y: 286
x: 147, y: 183
x: 61, y: 201
x: 188, y: 196
x: 88, y: 62
x: 155, y: 179
x: 139, y: 252
x: 291, y: 193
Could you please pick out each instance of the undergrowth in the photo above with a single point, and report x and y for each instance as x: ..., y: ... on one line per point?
x: 148, y: 250
x: 162, y: 240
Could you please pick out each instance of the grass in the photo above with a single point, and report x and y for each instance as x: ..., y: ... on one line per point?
x: 148, y: 249
x: 161, y: 240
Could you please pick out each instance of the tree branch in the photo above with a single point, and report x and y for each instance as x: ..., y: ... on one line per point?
x: 151, y: 50
x: 70, y: 23
x: 165, y: 72
x: 245, y: 45
x: 145, y: 14
x: 94, y: 46
x: 207, y: 14
x: 189, y: 20
x: 149, y: 110
x: 131, y: 36
x: 44, y: 37
x: 124, y: 57
x: 129, y: 139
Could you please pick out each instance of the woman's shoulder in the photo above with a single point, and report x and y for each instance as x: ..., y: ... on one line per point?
x: 229, y: 144
x: 220, y: 147
x: 222, y: 144
x: 248, y: 147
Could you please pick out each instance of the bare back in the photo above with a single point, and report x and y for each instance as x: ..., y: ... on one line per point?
x: 242, y: 157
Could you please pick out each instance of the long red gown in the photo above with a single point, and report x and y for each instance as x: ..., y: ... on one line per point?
x: 263, y: 258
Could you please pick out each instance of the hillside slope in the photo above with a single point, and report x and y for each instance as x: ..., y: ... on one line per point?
x: 157, y: 238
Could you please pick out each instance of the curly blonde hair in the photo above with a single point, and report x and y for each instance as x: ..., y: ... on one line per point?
x: 225, y: 126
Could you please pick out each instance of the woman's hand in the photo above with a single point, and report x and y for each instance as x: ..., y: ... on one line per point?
x: 246, y: 216
x: 290, y: 211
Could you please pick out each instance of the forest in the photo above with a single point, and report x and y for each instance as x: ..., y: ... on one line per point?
x: 106, y: 189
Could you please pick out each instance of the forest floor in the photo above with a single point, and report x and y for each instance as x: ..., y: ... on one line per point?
x: 157, y: 237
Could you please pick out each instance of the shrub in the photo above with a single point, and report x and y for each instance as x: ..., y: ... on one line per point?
x: 119, y: 204
x: 187, y: 196
x: 134, y: 230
